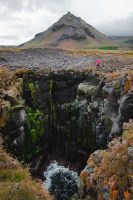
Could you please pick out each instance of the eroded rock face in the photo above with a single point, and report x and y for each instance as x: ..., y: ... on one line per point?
x: 66, y: 115
x: 67, y: 129
x: 15, y: 126
x: 108, y: 173
x: 87, y: 90
x: 12, y: 113
x: 74, y: 115
x: 124, y: 114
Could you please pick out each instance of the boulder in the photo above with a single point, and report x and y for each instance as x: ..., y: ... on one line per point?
x: 124, y: 114
x: 86, y: 89
x: 130, y: 151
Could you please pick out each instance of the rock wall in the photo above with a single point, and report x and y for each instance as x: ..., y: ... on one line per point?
x: 63, y: 115
x: 12, y: 113
x: 68, y: 132
x: 108, y: 173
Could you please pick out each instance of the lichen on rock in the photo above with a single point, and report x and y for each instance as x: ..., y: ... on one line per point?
x: 108, y: 174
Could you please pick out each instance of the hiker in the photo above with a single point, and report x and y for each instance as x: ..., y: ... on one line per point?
x: 98, y: 62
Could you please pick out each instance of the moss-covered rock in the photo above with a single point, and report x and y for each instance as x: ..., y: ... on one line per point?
x: 108, y: 174
x: 87, y: 89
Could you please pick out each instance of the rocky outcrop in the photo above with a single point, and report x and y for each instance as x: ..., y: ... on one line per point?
x: 108, y: 174
x: 61, y: 115
x: 125, y: 113
x: 64, y: 115
x: 12, y: 113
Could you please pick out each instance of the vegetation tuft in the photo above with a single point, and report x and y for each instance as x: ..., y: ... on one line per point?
x: 16, y: 182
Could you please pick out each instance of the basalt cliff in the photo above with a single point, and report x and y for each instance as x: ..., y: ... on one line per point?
x: 70, y: 116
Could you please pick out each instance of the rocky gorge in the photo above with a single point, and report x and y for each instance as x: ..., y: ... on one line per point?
x: 64, y: 115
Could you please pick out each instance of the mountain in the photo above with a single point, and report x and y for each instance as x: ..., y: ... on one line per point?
x: 69, y: 32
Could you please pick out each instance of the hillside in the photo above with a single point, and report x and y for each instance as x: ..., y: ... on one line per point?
x: 69, y: 32
x: 123, y: 40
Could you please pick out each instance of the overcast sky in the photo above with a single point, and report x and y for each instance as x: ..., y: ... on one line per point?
x: 20, y: 20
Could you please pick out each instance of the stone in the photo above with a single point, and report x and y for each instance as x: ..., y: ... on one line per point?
x: 130, y: 151
x: 126, y: 108
x: 19, y: 117
x: 125, y: 113
x: 85, y: 89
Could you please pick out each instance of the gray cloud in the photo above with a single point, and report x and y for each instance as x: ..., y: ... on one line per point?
x: 17, y: 5
x: 20, y: 20
x: 12, y: 37
x: 12, y: 4
x: 56, y: 6
x: 123, y: 27
x: 25, y: 18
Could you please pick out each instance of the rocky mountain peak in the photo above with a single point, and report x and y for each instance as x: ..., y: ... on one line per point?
x: 68, y: 15
x: 69, y: 31
x: 67, y: 20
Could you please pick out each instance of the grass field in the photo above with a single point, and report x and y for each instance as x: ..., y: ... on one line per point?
x: 108, y: 48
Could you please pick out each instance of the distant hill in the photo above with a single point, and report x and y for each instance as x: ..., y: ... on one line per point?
x: 69, y: 32
x: 123, y: 40
x: 7, y: 46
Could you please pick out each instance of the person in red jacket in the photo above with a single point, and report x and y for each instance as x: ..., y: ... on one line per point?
x: 98, y: 62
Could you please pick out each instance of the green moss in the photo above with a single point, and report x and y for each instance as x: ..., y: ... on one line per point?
x: 33, y: 134
x: 52, y: 101
x: 21, y: 86
x: 108, y: 123
x: 35, y: 123
x: 117, y: 86
x: 32, y: 89
x: 35, y: 129
x: 13, y: 175
x: 51, y: 87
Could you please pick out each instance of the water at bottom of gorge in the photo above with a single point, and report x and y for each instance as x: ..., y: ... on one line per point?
x: 62, y: 183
